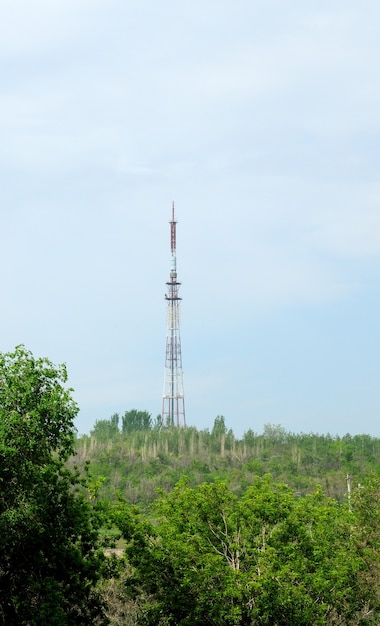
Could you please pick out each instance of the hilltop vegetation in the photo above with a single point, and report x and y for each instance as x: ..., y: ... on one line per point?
x: 132, y: 456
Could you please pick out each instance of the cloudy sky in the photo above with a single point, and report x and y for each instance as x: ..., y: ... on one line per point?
x: 261, y: 120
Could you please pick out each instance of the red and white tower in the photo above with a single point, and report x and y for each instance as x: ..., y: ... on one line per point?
x: 173, y: 400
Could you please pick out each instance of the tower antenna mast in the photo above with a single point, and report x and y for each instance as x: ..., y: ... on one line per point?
x: 173, y: 400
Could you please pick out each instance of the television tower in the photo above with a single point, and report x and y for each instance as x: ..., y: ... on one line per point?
x: 173, y: 400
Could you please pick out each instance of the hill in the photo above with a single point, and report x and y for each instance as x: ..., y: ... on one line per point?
x: 133, y: 457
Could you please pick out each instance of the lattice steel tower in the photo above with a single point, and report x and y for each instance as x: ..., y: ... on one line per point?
x: 173, y: 400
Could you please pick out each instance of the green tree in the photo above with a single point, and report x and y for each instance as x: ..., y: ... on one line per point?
x: 134, y: 420
x: 305, y: 563
x: 48, y: 531
x: 219, y: 427
x: 106, y: 430
x: 265, y: 559
x: 366, y: 534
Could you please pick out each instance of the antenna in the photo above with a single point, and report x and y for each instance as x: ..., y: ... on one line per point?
x: 173, y: 234
x: 173, y: 399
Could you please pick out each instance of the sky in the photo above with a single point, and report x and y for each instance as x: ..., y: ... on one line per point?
x: 260, y: 119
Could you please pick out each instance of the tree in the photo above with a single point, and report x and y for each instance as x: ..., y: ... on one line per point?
x: 219, y: 427
x: 134, y: 420
x: 266, y: 559
x: 48, y: 530
x: 106, y: 430
x: 366, y: 534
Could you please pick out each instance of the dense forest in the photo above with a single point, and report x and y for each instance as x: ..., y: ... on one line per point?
x: 144, y: 524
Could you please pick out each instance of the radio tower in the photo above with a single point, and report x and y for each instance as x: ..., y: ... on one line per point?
x: 173, y: 400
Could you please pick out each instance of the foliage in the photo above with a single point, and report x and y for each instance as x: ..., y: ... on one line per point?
x: 106, y: 430
x: 134, y: 420
x: 225, y: 545
x: 48, y: 531
x: 267, y: 558
x: 135, y: 463
x: 366, y: 533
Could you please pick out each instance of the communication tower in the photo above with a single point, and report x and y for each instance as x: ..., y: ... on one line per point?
x: 173, y: 399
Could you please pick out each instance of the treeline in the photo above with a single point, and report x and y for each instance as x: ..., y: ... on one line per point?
x: 133, y: 455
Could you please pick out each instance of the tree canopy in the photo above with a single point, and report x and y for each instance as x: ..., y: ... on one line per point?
x: 48, y: 531
x: 267, y: 558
